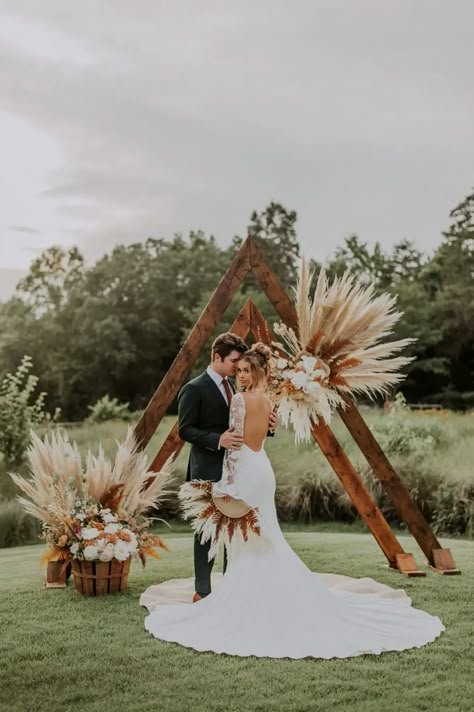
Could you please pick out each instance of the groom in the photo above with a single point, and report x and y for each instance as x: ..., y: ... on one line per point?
x: 203, y: 421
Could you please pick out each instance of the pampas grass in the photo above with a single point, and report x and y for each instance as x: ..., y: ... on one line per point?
x: 345, y: 324
x: 58, y: 479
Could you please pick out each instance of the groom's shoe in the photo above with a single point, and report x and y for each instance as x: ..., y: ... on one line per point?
x: 197, y: 598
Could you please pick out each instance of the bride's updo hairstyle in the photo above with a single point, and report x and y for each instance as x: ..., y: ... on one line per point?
x: 257, y: 358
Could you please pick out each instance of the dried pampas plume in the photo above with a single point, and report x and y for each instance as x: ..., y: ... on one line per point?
x: 58, y: 479
x: 344, y: 325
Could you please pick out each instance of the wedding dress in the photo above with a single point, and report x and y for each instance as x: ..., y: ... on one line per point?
x: 269, y: 604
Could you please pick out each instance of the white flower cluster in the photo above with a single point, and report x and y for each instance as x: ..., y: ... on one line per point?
x: 306, y: 376
x: 299, y: 387
x: 104, y: 539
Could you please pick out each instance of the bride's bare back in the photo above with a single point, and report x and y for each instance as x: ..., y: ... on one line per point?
x: 257, y: 413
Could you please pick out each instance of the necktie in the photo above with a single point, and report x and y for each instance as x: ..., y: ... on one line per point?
x: 227, y: 389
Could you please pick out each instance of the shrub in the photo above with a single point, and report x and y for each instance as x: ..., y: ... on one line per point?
x: 108, y: 409
x: 19, y: 412
x: 399, y: 434
x: 454, y: 512
x: 420, y: 481
x: 16, y: 527
x: 315, y: 497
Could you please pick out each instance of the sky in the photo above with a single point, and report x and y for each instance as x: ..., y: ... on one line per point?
x: 120, y: 121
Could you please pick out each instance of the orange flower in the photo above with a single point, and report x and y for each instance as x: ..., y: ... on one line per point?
x: 112, y: 538
x: 124, y: 535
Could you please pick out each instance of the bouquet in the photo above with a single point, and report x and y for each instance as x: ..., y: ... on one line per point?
x: 339, y: 349
x: 97, y: 512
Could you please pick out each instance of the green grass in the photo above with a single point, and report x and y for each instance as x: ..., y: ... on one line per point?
x: 62, y: 651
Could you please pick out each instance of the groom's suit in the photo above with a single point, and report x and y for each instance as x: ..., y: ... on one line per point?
x: 203, y: 415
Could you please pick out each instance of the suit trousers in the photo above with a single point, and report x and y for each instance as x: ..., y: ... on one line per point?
x: 203, y: 567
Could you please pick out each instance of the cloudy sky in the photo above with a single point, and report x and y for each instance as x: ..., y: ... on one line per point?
x: 123, y: 120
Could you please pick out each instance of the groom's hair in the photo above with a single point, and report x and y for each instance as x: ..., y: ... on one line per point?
x: 225, y: 343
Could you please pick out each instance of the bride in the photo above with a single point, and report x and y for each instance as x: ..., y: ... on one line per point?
x: 269, y: 604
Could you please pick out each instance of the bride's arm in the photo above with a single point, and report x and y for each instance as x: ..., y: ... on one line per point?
x: 227, y: 485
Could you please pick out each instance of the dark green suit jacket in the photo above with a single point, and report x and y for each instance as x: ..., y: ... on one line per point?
x: 203, y: 415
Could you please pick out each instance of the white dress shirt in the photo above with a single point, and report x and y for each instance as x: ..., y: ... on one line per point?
x: 218, y: 380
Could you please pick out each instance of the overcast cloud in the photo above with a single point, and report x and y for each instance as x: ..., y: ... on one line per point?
x: 119, y: 121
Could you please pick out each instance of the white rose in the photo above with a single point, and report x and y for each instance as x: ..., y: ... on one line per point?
x: 107, y: 553
x: 299, y: 379
x: 309, y: 363
x: 90, y: 533
x: 128, y: 531
x: 90, y: 552
x: 281, y: 363
x: 74, y: 548
x: 133, y: 544
x: 108, y: 517
x: 111, y: 528
x: 121, y: 551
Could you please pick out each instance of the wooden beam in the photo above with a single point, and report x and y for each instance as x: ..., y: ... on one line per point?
x: 348, y: 476
x: 172, y: 446
x: 191, y: 348
x: 390, y: 480
x: 356, y: 490
x: 271, y: 286
x: 173, y: 443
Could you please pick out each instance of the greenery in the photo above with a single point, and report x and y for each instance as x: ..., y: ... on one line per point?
x: 113, y: 328
x: 104, y: 658
x: 432, y: 452
x: 108, y: 409
x: 16, y: 526
x: 19, y: 411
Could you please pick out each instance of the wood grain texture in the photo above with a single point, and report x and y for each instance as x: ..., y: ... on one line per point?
x: 173, y: 443
x: 357, y: 491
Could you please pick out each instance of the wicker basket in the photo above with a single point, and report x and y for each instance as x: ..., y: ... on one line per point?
x: 94, y: 578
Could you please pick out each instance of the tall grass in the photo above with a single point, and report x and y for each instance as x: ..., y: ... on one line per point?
x: 432, y: 453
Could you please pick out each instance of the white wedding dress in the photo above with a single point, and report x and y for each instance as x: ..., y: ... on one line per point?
x: 269, y: 604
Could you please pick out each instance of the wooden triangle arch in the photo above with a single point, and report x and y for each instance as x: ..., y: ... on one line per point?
x: 250, y: 320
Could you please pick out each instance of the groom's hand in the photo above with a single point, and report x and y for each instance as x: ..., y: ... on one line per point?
x: 231, y: 440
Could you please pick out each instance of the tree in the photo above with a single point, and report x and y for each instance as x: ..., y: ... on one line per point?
x: 274, y: 232
x: 383, y: 269
x: 50, y: 278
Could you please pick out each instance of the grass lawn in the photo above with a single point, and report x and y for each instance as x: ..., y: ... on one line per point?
x: 62, y: 651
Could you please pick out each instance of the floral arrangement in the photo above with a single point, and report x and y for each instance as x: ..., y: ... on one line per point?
x: 338, y: 349
x: 97, y: 512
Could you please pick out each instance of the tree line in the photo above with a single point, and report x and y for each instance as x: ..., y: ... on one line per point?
x: 114, y: 327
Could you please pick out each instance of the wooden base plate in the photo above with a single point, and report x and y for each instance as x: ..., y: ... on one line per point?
x: 55, y: 584
x: 406, y: 565
x: 443, y: 563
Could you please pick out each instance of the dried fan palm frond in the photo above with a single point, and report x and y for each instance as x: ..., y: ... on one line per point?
x: 210, y: 524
